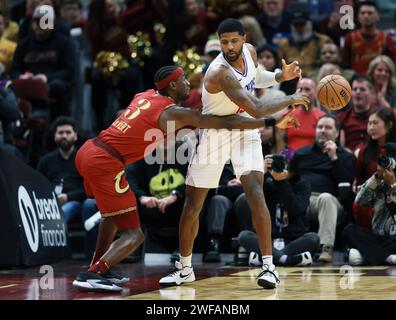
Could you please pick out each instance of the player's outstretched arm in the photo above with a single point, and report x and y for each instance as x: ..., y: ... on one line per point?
x: 231, y: 87
x: 265, y: 79
x: 188, y: 117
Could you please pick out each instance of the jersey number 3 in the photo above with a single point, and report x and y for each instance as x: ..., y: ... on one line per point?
x: 142, y: 104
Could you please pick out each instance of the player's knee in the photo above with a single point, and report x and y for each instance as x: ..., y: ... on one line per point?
x: 139, y: 236
x: 132, y: 237
x: 324, y: 197
x: 254, y: 194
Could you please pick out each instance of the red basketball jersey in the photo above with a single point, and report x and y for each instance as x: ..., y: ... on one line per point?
x: 136, y: 132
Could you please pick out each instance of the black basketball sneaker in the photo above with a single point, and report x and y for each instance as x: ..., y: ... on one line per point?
x: 91, y: 281
x: 115, y: 277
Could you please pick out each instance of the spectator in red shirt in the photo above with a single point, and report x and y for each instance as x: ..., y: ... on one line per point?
x: 305, y: 135
x: 354, y: 120
x: 363, y: 45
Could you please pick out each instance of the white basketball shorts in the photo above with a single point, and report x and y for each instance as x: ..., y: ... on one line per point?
x: 216, y: 147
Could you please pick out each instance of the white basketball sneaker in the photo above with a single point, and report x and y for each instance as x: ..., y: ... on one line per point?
x: 306, y: 259
x: 178, y: 276
x: 355, y: 257
x: 268, y: 278
x: 254, y: 259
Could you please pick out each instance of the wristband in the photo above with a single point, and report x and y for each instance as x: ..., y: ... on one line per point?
x: 269, y: 122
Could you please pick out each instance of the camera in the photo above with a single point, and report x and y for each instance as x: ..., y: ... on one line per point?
x: 279, y: 162
x: 388, y: 162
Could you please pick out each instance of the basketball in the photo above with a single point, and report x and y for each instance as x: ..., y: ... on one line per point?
x: 334, y: 92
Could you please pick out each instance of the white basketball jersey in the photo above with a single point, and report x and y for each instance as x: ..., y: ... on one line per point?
x: 218, y: 103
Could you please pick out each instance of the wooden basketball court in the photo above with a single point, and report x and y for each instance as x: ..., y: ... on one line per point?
x: 214, y: 282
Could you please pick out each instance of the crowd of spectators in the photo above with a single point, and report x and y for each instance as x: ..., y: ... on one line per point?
x: 54, y: 72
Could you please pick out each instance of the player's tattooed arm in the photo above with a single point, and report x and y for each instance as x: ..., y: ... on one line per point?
x: 253, y: 106
x: 188, y: 117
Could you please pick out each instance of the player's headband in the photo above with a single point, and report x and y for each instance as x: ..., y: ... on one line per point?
x: 169, y: 78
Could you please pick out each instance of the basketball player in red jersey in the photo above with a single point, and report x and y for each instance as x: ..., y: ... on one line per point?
x: 101, y: 162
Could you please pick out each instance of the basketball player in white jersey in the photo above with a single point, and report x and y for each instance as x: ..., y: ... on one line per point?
x: 227, y: 89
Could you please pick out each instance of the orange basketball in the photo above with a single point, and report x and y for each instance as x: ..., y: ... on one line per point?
x: 334, y: 92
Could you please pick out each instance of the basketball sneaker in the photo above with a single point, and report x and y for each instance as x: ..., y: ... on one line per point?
x: 355, y: 257
x: 178, y: 276
x: 254, y: 259
x: 306, y: 259
x: 91, y: 281
x: 115, y: 277
x: 268, y: 278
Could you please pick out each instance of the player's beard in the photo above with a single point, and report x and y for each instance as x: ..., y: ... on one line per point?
x: 183, y: 96
x: 237, y: 55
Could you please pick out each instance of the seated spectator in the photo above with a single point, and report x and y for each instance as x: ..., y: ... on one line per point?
x: 382, y: 73
x: 218, y: 208
x: 378, y: 246
x: 9, y: 114
x: 7, y: 48
x: 304, y: 44
x: 305, y: 135
x: 106, y: 33
x: 50, y: 57
x: 71, y: 12
x: 58, y: 166
x: 327, y: 69
x: 331, y: 24
x: 188, y: 24
x: 159, y: 190
x: 325, y: 165
x: 364, y: 44
x: 330, y: 53
x: 253, y: 32
x: 354, y: 119
x: 268, y: 58
x: 211, y: 51
x: 274, y: 21
x: 381, y: 129
x: 25, y: 25
x: 11, y: 28
x: 287, y: 201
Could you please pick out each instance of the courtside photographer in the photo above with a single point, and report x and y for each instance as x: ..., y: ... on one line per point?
x: 287, y: 199
x: 379, y: 192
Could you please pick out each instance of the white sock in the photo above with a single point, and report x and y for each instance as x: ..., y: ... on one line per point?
x: 267, y: 260
x: 391, y: 259
x: 186, y: 261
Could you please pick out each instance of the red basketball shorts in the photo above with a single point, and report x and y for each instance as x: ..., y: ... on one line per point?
x: 104, y: 180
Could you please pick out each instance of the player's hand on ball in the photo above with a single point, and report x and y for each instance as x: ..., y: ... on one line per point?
x: 288, y: 121
x: 290, y: 71
x: 297, y: 99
